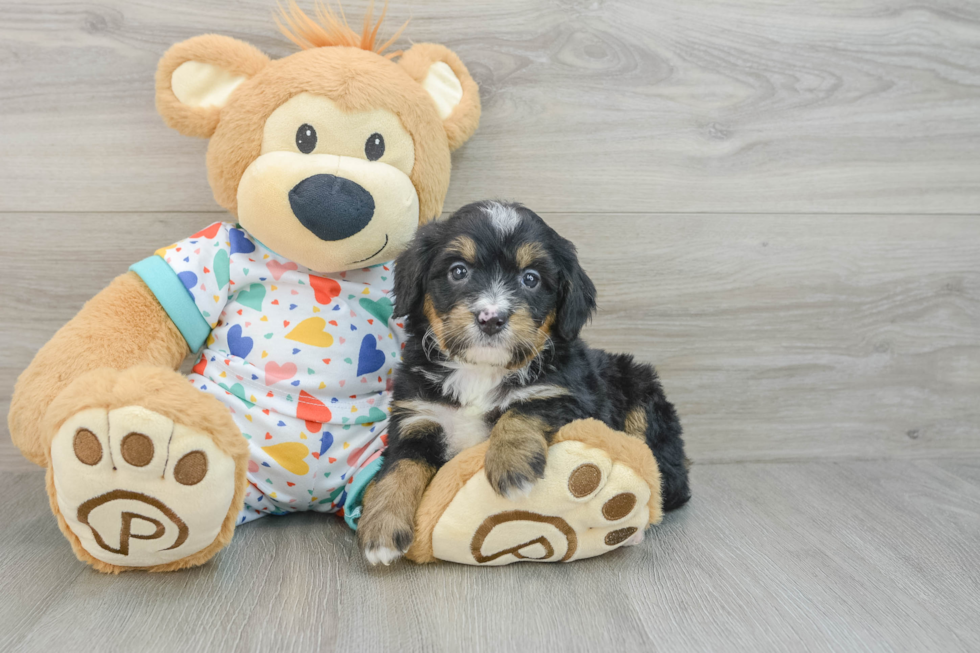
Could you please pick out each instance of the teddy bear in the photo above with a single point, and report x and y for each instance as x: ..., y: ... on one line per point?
x: 328, y: 160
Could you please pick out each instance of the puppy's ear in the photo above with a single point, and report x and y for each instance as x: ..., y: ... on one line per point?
x: 576, y: 295
x: 195, y: 78
x: 412, y: 268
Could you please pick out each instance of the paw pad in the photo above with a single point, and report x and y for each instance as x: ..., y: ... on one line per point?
x: 137, y: 449
x: 619, y: 506
x: 87, y: 447
x: 619, y: 535
x: 191, y: 468
x: 584, y: 480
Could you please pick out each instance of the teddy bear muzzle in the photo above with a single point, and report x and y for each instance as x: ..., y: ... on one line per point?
x: 331, y: 207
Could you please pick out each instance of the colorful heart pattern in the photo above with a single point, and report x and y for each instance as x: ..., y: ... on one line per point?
x: 381, y: 308
x: 370, y: 358
x: 290, y: 456
x: 274, y: 372
x: 324, y: 288
x: 238, y: 344
x: 311, y: 331
x: 277, y: 269
x: 221, y: 266
x: 239, y: 243
x: 252, y: 297
x: 303, y: 362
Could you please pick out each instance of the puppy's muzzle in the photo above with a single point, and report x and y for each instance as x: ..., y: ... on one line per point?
x: 491, y: 321
x: 331, y: 207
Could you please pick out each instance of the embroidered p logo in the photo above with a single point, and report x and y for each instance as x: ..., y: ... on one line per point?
x: 523, y: 525
x: 161, y: 519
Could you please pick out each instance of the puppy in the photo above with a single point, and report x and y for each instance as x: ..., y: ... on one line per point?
x: 495, y: 300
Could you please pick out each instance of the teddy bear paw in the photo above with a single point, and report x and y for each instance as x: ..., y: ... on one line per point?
x: 587, y: 504
x: 137, y: 489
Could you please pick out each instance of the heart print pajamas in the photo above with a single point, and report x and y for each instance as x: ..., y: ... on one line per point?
x: 303, y: 361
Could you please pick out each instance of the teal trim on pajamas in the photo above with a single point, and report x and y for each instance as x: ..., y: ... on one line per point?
x: 175, y: 298
x: 355, y: 493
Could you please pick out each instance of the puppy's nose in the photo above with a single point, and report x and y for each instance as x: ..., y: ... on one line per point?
x: 491, y: 321
x: 331, y: 207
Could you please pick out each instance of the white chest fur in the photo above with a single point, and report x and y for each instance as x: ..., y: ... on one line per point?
x: 475, y: 386
x: 463, y: 426
x: 477, y: 389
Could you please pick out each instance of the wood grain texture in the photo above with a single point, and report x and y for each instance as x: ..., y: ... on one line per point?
x: 779, y: 338
x: 870, y: 556
x: 714, y: 105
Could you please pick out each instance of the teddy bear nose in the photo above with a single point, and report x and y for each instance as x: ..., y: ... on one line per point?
x: 332, y: 207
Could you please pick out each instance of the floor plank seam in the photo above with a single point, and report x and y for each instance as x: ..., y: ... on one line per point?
x: 871, y: 214
x: 944, y: 457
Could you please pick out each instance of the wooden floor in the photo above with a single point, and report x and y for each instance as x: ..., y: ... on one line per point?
x: 780, y: 204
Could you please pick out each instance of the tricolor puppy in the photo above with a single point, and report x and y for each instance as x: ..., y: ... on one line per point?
x: 495, y: 301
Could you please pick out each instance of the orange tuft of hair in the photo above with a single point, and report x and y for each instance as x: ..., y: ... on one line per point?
x: 330, y: 29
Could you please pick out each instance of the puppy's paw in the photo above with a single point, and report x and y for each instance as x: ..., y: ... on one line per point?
x: 513, y: 467
x: 387, y: 527
x: 384, y: 538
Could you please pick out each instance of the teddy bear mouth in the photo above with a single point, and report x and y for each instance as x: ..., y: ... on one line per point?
x: 367, y: 258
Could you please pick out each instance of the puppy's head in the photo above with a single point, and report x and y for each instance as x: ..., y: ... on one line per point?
x: 492, y: 284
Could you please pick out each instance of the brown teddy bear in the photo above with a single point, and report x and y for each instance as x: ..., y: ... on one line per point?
x: 329, y: 159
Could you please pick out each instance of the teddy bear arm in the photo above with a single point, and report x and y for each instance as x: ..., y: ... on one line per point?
x: 122, y: 326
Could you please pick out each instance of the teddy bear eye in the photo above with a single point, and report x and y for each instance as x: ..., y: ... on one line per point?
x: 305, y: 138
x: 374, y: 147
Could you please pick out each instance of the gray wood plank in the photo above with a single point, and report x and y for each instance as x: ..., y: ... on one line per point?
x: 967, y: 470
x: 837, y: 106
x: 778, y: 338
x: 819, y: 556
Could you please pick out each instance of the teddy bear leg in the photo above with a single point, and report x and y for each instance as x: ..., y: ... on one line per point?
x: 145, y: 471
x: 600, y: 491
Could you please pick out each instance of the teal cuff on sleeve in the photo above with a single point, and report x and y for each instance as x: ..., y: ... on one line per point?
x: 175, y: 299
x: 355, y: 493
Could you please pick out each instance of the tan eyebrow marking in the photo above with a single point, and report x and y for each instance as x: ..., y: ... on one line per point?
x: 528, y: 253
x: 465, y: 247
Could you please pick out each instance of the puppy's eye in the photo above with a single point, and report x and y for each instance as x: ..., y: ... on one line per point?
x: 458, y: 272
x: 530, y: 279
x: 305, y: 138
x: 374, y: 148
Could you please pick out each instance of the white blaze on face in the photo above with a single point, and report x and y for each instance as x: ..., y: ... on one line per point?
x: 504, y: 218
x: 491, y: 350
x: 495, y: 299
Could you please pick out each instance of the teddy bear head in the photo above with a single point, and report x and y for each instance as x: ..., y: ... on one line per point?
x: 334, y: 155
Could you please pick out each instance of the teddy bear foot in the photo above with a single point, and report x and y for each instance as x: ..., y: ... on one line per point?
x: 600, y: 491
x: 135, y: 489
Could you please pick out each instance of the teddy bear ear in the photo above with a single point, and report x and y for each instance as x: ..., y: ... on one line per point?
x: 446, y: 80
x: 195, y: 78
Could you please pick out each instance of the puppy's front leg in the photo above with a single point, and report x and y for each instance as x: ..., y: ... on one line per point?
x: 518, y: 453
x: 387, y: 526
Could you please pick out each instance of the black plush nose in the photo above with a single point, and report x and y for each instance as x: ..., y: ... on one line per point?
x: 491, y: 321
x: 332, y: 207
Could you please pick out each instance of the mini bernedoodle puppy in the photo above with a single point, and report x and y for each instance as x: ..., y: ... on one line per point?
x: 495, y: 300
